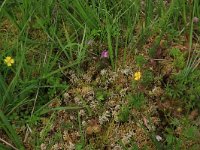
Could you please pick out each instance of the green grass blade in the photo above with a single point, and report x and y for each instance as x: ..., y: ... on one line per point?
x: 10, y: 131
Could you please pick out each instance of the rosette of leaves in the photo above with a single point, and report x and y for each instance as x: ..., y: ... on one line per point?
x: 101, y: 95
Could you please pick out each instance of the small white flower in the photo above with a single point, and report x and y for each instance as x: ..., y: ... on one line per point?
x: 158, y: 138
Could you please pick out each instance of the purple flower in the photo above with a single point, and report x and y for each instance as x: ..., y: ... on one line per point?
x: 104, y: 54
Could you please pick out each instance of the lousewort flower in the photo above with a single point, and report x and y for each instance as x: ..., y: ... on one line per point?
x: 137, y: 75
x: 9, y: 61
x: 104, y: 54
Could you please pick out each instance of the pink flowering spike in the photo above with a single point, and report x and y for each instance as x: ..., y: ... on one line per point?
x: 104, y: 54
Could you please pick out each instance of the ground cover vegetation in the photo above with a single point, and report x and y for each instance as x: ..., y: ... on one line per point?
x: 99, y: 74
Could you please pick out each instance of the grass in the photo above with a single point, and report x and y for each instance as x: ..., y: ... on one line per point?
x: 57, y: 44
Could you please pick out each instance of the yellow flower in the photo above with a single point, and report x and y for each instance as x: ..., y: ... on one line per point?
x: 137, y: 75
x: 9, y: 61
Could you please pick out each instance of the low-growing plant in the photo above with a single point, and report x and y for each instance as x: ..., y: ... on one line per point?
x: 179, y: 60
x: 140, y: 60
x: 136, y: 100
x: 172, y: 142
x: 101, y: 95
x: 188, y: 133
x: 44, y: 38
x: 185, y: 87
x: 55, y: 85
x: 147, y: 78
x: 124, y: 113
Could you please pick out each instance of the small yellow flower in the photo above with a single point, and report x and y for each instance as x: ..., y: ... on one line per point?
x: 9, y: 61
x: 137, y: 75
